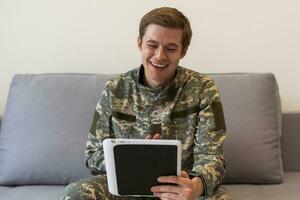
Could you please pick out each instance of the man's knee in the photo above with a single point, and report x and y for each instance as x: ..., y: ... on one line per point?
x: 73, y: 191
x: 220, y: 194
x: 86, y: 189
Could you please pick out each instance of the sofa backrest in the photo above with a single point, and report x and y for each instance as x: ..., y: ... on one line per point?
x: 290, y: 141
x: 47, y: 119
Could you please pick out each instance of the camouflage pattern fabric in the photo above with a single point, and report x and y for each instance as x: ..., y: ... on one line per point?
x: 188, y: 109
x: 94, y: 188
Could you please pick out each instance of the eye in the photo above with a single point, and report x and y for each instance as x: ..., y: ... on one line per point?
x: 171, y: 49
x: 152, y: 46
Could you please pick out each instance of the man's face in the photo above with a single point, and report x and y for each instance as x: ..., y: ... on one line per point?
x: 161, y: 50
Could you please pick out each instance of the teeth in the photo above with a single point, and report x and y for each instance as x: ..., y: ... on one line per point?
x: 159, y: 65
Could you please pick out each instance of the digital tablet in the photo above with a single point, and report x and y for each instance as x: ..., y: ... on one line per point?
x: 133, y: 165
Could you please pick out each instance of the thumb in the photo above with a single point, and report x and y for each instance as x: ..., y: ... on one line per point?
x: 184, y: 174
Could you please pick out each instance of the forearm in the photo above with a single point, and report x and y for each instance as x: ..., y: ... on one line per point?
x: 211, y: 170
x: 209, y: 163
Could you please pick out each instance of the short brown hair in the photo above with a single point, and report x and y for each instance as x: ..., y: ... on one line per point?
x: 170, y: 18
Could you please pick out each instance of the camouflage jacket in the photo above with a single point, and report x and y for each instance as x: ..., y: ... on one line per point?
x: 188, y: 109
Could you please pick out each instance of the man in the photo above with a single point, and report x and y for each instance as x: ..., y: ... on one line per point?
x: 161, y: 100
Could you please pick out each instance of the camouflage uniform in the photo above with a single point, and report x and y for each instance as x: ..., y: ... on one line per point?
x: 188, y: 109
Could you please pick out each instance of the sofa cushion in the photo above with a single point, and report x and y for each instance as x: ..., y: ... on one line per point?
x: 253, y: 117
x: 286, y: 191
x: 45, y: 127
x: 34, y: 192
x: 3, y: 190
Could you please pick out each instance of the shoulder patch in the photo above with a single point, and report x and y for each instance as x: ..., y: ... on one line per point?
x: 94, y: 123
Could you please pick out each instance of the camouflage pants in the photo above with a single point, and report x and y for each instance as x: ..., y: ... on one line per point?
x: 95, y: 188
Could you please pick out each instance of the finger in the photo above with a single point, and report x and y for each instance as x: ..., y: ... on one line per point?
x: 156, y: 136
x: 184, y: 174
x: 177, y: 180
x: 148, y: 137
x: 167, y: 196
x: 166, y: 189
x: 171, y: 179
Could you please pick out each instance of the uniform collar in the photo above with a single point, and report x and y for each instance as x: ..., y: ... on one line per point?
x: 178, y: 80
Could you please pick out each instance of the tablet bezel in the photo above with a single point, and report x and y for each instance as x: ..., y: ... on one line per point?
x: 110, y: 143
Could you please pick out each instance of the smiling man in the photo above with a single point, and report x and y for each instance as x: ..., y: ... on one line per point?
x: 161, y: 100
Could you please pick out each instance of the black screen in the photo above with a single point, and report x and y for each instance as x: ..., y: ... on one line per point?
x: 138, y: 166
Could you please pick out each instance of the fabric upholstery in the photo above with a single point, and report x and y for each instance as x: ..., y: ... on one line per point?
x: 253, y: 118
x: 291, y: 141
x: 288, y: 190
x: 45, y: 128
x: 34, y: 192
x: 3, y: 190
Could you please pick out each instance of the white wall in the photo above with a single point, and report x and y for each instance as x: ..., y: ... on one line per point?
x: 96, y: 36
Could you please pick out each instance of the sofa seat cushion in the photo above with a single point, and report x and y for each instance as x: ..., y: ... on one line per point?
x: 3, y: 190
x: 38, y: 192
x: 288, y: 190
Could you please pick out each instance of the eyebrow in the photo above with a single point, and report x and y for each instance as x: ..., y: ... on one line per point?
x: 171, y: 44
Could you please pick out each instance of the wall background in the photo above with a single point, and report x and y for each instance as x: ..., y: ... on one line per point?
x: 97, y: 36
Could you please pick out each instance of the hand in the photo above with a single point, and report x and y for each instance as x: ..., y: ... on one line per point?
x: 154, y: 137
x: 185, y: 188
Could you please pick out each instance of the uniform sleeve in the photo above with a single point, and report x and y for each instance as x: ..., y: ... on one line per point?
x: 209, y: 163
x: 100, y: 130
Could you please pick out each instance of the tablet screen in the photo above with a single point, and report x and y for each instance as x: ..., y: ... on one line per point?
x: 138, y: 166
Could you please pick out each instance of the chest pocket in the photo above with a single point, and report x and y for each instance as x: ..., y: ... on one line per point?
x: 123, y: 124
x: 183, y: 123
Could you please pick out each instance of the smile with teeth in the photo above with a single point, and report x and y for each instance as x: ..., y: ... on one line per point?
x: 159, y: 65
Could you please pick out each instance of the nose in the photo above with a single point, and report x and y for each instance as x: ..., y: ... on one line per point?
x: 161, y: 54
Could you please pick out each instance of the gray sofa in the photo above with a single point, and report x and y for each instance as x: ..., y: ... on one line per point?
x: 47, y: 118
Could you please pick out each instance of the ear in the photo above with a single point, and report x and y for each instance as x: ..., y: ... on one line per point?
x: 184, y: 50
x: 139, y: 43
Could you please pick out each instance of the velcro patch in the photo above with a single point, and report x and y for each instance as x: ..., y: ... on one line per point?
x: 218, y: 114
x: 124, y: 116
x: 94, y: 123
